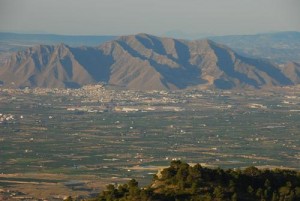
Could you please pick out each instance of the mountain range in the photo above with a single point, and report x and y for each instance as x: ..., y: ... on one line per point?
x: 279, y: 47
x: 144, y: 62
x: 15, y: 40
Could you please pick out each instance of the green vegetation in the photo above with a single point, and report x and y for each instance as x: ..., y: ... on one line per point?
x: 181, y: 181
x: 46, y: 140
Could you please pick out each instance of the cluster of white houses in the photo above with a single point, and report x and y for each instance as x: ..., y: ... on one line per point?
x: 6, y: 117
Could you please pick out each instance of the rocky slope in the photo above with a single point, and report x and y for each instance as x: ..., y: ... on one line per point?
x: 143, y: 62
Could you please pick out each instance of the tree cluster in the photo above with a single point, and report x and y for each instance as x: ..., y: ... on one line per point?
x: 183, y: 182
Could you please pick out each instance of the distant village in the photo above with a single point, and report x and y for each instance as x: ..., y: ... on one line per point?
x: 99, y: 98
x: 100, y: 101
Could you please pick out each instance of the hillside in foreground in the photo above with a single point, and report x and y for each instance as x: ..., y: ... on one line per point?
x: 181, y: 181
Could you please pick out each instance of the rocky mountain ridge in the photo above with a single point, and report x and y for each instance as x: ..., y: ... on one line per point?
x: 143, y: 62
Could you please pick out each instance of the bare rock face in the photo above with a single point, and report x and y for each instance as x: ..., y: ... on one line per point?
x: 292, y: 70
x: 143, y: 62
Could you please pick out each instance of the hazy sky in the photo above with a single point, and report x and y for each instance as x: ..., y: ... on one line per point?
x: 117, y: 17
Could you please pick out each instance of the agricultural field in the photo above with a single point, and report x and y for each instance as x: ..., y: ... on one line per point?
x: 74, y: 142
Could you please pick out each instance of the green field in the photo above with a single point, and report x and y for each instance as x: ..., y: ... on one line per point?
x: 213, y: 129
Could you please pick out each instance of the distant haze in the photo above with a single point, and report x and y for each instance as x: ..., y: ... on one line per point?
x: 118, y: 17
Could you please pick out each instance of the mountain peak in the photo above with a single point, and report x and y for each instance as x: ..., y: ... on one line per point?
x: 62, y: 45
x: 135, y: 36
x: 144, y: 35
x: 144, y: 62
